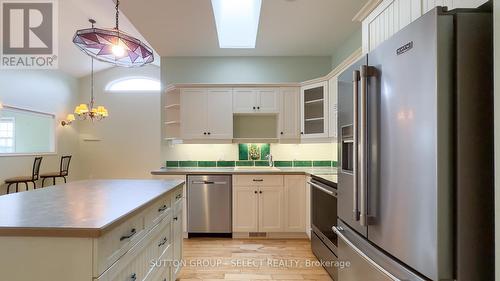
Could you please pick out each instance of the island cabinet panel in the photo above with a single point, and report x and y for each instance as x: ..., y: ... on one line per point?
x: 123, y: 247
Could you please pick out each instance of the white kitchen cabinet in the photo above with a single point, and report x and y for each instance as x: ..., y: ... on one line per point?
x: 256, y: 100
x: 245, y: 209
x: 390, y: 16
x: 271, y: 218
x: 295, y: 203
x: 289, y: 118
x: 193, y: 113
x: 333, y: 107
x: 314, y: 110
x: 206, y: 114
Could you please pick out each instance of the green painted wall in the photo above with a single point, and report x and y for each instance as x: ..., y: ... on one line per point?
x: 242, y: 69
x: 351, y: 44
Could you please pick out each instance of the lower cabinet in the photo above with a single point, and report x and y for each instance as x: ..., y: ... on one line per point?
x: 278, y: 206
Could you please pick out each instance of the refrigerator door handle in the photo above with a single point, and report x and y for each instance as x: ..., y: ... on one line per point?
x: 365, y: 72
x: 355, y: 203
x: 338, y: 230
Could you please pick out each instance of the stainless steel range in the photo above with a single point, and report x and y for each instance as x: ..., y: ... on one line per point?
x: 323, y: 217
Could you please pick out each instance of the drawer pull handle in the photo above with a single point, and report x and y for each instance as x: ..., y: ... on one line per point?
x: 175, y: 218
x: 133, y: 277
x: 132, y: 233
x: 258, y: 180
x: 163, y: 242
x: 163, y: 208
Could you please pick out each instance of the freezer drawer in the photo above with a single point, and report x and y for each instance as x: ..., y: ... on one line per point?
x: 367, y: 262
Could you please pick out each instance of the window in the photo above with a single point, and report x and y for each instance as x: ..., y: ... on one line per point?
x: 134, y: 84
x: 237, y: 22
x: 7, y: 141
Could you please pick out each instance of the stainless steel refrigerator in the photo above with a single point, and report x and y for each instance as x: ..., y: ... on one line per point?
x: 416, y: 153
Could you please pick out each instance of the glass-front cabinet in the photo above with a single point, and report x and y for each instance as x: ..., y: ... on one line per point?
x: 314, y: 110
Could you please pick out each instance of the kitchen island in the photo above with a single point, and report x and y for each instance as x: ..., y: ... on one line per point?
x: 92, y: 230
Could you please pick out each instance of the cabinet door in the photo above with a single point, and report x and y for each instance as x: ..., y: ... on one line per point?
x: 268, y: 100
x: 314, y: 110
x: 295, y: 203
x: 193, y: 113
x: 220, y: 113
x: 289, y: 113
x: 271, y: 218
x: 245, y: 100
x: 177, y: 240
x: 333, y: 89
x: 245, y: 209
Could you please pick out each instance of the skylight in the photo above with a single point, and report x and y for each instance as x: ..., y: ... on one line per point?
x: 237, y: 22
x: 134, y: 84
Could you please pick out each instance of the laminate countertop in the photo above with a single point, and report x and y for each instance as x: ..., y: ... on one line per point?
x: 78, y: 209
x: 310, y: 171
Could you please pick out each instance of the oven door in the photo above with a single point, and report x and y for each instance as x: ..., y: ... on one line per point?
x: 324, y: 213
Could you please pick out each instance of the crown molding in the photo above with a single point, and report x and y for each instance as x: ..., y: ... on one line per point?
x: 366, y: 10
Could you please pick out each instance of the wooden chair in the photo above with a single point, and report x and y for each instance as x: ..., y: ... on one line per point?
x: 33, y: 178
x: 63, y: 171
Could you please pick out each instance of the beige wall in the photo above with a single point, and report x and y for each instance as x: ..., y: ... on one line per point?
x: 47, y: 91
x: 127, y: 143
x: 214, y: 152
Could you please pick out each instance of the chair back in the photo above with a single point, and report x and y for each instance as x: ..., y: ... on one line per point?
x: 64, y: 168
x: 36, y: 168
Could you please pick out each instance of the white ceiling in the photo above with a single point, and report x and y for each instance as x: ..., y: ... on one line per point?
x: 287, y: 27
x: 74, y: 15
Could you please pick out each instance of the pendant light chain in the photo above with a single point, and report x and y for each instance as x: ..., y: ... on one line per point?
x: 92, y: 84
x: 117, y: 13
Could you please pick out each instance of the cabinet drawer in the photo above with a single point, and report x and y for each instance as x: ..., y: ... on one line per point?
x: 115, y: 243
x: 157, y: 211
x: 258, y: 180
x: 136, y: 263
x: 176, y: 198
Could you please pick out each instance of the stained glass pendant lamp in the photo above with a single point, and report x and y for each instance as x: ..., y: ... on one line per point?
x: 113, y: 45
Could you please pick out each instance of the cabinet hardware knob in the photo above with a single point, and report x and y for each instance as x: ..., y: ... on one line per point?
x: 301, y: 133
x: 282, y: 133
x: 260, y: 192
x: 162, y: 208
x: 254, y: 108
x: 255, y: 192
x: 258, y: 107
x: 133, y: 277
x: 132, y: 233
x: 176, y: 218
x: 209, y: 133
x: 178, y: 196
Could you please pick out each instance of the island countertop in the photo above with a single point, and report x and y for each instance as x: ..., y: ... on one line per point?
x: 78, y: 209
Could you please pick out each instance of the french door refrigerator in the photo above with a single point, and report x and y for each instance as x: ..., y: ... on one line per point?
x: 416, y: 153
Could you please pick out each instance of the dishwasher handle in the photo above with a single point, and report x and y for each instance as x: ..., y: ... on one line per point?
x: 209, y: 182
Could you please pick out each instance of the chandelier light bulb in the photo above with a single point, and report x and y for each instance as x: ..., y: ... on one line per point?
x: 118, y: 50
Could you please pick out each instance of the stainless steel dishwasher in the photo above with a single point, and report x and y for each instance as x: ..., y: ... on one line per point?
x: 209, y: 204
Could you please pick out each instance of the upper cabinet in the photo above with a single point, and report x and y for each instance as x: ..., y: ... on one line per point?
x: 206, y: 114
x: 256, y: 100
x: 289, y: 117
x: 314, y: 110
x: 390, y: 16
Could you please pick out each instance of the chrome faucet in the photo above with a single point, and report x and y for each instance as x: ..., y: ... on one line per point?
x: 269, y: 158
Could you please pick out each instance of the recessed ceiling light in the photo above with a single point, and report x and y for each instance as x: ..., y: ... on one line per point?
x: 237, y: 22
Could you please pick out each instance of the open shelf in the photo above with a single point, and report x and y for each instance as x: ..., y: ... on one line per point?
x: 173, y: 106
x: 314, y: 101
x: 175, y: 122
x: 314, y: 119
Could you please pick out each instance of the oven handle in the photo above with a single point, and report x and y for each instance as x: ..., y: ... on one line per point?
x: 331, y: 193
x: 338, y: 230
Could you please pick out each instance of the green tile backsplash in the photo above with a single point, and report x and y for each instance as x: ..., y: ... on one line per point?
x: 248, y: 163
x: 302, y: 163
x: 225, y: 163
